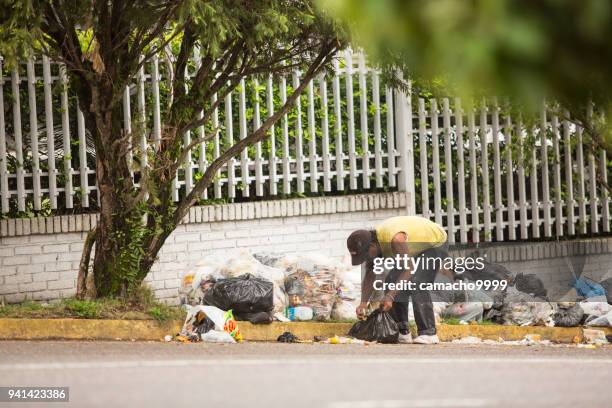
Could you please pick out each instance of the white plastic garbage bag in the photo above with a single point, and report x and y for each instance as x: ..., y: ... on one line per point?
x: 349, y: 293
x: 216, y: 336
x: 523, y: 309
x: 595, y: 306
x: 465, y: 311
x: 600, y: 321
x: 214, y: 319
x: 193, y: 279
x: 311, y: 281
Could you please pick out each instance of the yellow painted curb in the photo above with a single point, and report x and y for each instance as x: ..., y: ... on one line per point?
x: 84, y: 329
x: 91, y: 329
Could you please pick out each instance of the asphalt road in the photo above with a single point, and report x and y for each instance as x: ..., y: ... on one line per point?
x: 113, y: 374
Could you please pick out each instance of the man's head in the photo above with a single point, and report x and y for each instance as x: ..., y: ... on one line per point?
x: 362, y: 246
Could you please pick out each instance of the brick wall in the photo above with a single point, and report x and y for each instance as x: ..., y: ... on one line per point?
x: 39, y: 257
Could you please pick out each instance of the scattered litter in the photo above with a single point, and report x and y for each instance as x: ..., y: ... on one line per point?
x: 287, y: 337
x: 343, y: 340
x: 379, y: 327
x: 468, y: 340
x: 592, y: 336
x: 167, y: 338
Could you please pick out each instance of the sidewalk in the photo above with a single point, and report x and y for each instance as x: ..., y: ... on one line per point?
x: 92, y: 329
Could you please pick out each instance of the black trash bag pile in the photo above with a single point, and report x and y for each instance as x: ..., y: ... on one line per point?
x: 246, y: 295
x: 380, y: 326
x: 530, y: 284
x: 568, y: 316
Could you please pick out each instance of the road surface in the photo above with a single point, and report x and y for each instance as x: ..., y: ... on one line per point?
x: 120, y: 374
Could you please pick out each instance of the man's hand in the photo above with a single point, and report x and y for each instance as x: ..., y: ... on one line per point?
x: 386, y: 304
x: 362, y: 310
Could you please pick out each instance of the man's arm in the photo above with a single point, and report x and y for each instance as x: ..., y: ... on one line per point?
x: 399, y: 245
x: 367, y: 286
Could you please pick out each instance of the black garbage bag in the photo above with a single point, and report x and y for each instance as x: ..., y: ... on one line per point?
x: 490, y: 272
x: 379, y: 326
x: 569, y: 317
x: 530, y: 284
x: 607, y: 285
x: 255, y: 317
x: 243, y: 294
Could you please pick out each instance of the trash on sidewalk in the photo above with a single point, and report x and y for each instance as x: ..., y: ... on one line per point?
x: 467, y: 340
x: 311, y: 281
x: 529, y: 283
x: 568, y: 314
x: 242, y: 294
x: 522, y: 309
x: 299, y: 313
x: 601, y: 321
x: 287, y: 337
x: 379, y: 327
x: 203, y: 319
x: 592, y: 336
x: 595, y: 306
x: 465, y: 311
x: 255, y: 317
x: 343, y: 340
x: 588, y: 288
x: 318, y: 285
x: 216, y: 336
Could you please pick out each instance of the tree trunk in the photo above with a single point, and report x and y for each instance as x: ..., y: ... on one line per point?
x: 121, y: 234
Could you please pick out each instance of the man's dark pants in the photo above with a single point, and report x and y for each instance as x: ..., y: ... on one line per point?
x: 421, y: 299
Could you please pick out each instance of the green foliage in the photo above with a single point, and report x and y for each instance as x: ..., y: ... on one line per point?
x: 82, y: 308
x: 140, y: 305
x: 529, y: 50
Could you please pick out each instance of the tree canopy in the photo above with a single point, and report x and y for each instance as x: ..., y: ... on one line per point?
x: 531, y: 50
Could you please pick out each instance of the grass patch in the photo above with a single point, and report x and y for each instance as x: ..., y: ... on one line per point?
x: 141, y: 305
x: 455, y: 321
x: 450, y: 320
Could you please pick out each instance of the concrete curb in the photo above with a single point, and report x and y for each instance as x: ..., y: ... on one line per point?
x: 91, y: 329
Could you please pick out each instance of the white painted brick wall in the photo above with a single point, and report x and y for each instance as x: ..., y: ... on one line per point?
x: 44, y: 266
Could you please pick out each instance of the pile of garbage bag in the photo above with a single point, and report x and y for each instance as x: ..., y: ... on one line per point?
x: 261, y: 287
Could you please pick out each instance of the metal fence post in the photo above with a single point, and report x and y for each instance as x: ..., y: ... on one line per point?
x: 405, y: 143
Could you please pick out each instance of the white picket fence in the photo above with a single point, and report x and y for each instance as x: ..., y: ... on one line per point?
x: 347, y: 132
